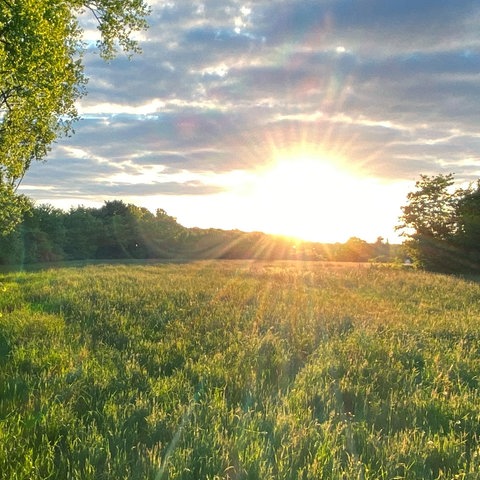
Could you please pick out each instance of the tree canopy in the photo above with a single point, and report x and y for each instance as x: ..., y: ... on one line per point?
x: 42, y: 76
x: 118, y: 230
x: 441, y: 224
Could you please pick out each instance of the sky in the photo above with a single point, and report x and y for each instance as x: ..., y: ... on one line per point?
x: 309, y: 118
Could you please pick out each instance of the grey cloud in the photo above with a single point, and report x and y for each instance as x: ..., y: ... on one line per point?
x: 408, y: 17
x: 200, y: 161
x: 408, y: 74
x: 164, y: 188
x: 84, y: 177
x: 69, y: 170
x: 280, y: 21
x: 217, y: 38
x: 130, y: 81
x: 408, y: 168
x: 97, y: 190
x: 404, y: 24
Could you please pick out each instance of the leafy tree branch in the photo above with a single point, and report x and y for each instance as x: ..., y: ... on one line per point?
x: 41, y: 51
x: 441, y: 224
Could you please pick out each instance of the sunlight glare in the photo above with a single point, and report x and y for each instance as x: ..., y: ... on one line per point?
x: 306, y: 196
x: 314, y: 198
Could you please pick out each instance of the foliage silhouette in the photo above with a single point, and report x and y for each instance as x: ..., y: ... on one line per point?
x: 41, y: 51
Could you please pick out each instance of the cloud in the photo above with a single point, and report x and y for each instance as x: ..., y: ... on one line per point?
x: 222, y: 86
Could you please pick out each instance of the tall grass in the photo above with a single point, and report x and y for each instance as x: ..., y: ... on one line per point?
x: 238, y: 370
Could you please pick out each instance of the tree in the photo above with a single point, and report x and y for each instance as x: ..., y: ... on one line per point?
x: 469, y: 227
x: 82, y: 230
x: 431, y: 222
x: 115, y: 234
x: 381, y: 250
x: 354, y: 250
x: 43, y: 234
x: 42, y: 76
x: 161, y: 235
x: 12, y: 251
x: 124, y: 230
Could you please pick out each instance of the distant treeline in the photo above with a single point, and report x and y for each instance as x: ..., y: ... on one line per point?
x: 124, y: 231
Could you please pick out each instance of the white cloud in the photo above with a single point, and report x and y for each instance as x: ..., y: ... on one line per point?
x: 393, y: 86
x: 153, y: 106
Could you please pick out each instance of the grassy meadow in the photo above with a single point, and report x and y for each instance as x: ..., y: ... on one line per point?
x: 239, y: 370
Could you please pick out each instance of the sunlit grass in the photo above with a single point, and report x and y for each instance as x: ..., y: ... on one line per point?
x: 238, y: 370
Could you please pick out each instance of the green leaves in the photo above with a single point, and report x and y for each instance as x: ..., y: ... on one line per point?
x: 118, y: 20
x: 442, y: 225
x: 41, y: 75
x: 12, y: 207
x: 432, y: 207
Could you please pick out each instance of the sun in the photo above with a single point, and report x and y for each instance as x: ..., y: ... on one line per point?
x: 303, y: 194
x: 297, y: 195
x: 314, y: 197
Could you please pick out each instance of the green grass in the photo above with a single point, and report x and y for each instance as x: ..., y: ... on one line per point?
x: 239, y: 370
